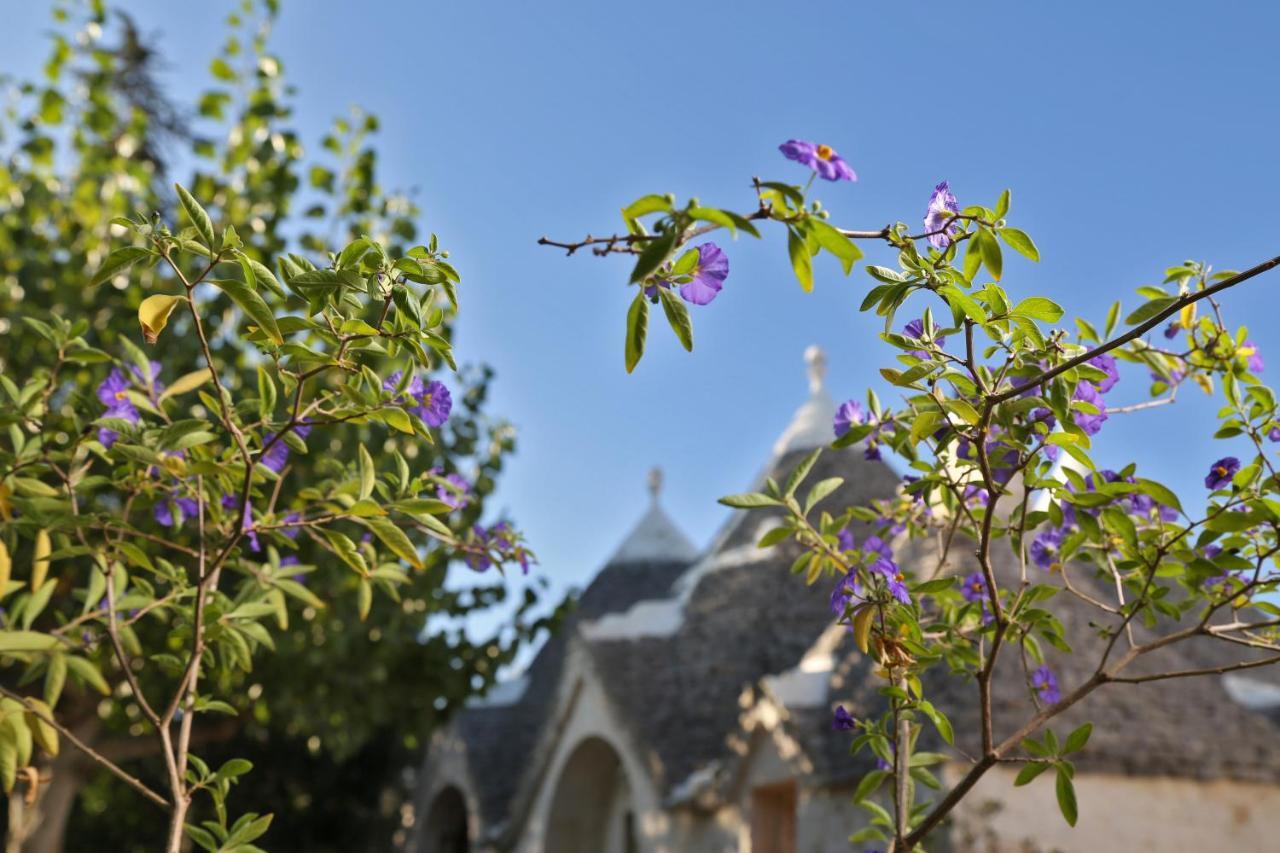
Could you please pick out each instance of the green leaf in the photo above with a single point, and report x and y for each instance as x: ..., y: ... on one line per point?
x: 653, y: 256
x: 187, y: 382
x: 395, y: 539
x: 637, y: 330
x: 1150, y: 309
x: 1019, y: 242
x: 821, y: 490
x: 119, y: 261
x: 1030, y: 771
x: 749, y: 500
x: 1077, y: 739
x: 830, y: 238
x: 678, y: 317
x: 645, y: 205
x: 368, y: 476
x: 88, y: 672
x: 198, y: 215
x: 991, y: 257
x: 801, y: 262
x: 966, y: 304
x: 1039, y: 308
x: 26, y: 641
x: 1066, y: 796
x: 1161, y: 493
x: 252, y: 305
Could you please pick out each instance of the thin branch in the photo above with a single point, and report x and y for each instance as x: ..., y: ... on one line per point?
x: 133, y: 781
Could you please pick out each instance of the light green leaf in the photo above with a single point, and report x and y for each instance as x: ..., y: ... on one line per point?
x: 637, y: 330
x: 197, y: 214
x: 678, y: 317
x: 252, y: 305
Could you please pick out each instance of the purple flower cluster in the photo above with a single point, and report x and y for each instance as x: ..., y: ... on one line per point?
x: 823, y: 159
x: 500, y: 537
x: 455, y: 491
x: 430, y: 401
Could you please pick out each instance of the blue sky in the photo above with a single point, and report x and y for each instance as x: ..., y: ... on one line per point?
x: 1134, y: 136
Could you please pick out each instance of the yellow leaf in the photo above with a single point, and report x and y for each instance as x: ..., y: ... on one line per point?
x: 6, y: 508
x: 862, y: 627
x: 189, y: 382
x: 40, y: 560
x: 154, y: 313
x: 6, y: 568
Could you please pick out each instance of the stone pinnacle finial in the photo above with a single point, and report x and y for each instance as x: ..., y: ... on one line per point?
x: 655, y: 482
x: 816, y: 360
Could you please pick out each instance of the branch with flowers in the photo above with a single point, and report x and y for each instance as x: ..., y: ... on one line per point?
x: 997, y: 429
x: 160, y: 523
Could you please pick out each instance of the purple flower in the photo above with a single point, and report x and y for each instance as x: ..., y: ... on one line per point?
x: 1221, y: 472
x: 1252, y: 356
x: 291, y: 532
x: 976, y: 495
x: 846, y: 592
x: 456, y: 493
x: 848, y: 416
x: 430, y: 401
x: 915, y: 329
x: 1171, y: 331
x: 894, y: 580
x: 843, y: 721
x: 1045, y: 684
x: 872, y: 453
x: 114, y: 394
x: 1046, y: 549
x: 1107, y: 365
x: 172, y: 512
x: 974, y: 588
x: 1274, y: 433
x: 276, y: 456
x: 148, y: 379
x: 708, y: 276
x: 821, y: 158
x: 1091, y: 423
x: 875, y: 545
x: 942, y: 206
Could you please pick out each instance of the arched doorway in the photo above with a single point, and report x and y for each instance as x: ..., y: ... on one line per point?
x: 446, y: 825
x: 591, y: 809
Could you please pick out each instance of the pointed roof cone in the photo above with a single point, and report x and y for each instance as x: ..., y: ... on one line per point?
x: 811, y: 425
x: 656, y: 538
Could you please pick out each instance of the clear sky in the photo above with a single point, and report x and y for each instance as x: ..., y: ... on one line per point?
x: 1134, y: 135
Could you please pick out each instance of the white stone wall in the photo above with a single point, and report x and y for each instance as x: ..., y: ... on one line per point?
x: 1120, y: 813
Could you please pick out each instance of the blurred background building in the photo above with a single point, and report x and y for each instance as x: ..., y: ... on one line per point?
x: 687, y: 707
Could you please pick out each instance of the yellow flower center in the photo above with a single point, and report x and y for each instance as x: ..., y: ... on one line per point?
x: 1222, y: 470
x: 824, y: 152
x: 120, y: 395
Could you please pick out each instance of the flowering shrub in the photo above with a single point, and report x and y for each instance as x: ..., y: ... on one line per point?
x: 339, y: 685
x: 166, y: 501
x: 999, y: 411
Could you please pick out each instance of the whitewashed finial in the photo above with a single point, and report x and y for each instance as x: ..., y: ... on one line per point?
x: 811, y: 426
x: 655, y: 483
x: 816, y: 360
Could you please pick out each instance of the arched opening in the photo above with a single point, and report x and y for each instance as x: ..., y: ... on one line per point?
x: 591, y: 810
x: 446, y: 824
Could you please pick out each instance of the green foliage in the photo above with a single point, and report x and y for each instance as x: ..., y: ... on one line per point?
x: 282, y: 334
